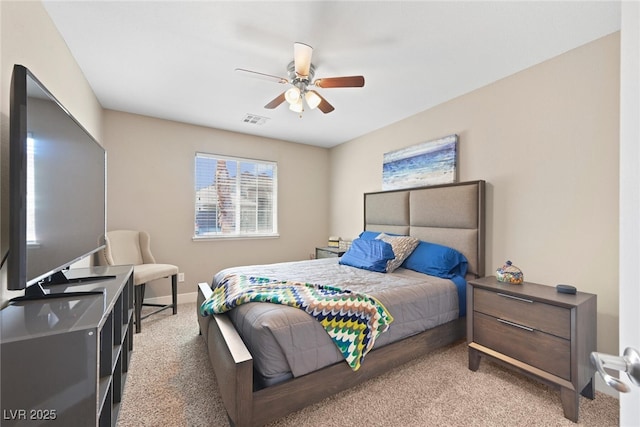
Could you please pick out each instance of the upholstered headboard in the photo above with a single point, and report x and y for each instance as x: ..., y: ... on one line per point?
x: 450, y: 214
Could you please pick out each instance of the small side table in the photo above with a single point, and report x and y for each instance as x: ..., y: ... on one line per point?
x: 329, y: 252
x: 536, y: 330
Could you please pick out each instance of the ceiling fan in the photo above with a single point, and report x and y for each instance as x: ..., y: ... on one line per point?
x: 301, y: 72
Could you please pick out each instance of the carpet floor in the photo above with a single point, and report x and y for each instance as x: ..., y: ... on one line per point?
x: 171, y: 383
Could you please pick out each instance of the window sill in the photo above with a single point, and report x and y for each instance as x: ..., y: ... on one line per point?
x: 235, y: 237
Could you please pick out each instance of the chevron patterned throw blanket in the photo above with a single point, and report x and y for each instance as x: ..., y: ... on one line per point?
x: 352, y: 320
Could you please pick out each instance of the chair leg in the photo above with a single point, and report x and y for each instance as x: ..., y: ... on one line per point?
x: 139, y: 297
x: 174, y: 293
x: 139, y: 302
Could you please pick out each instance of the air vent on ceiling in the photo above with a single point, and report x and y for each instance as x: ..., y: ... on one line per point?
x: 254, y: 119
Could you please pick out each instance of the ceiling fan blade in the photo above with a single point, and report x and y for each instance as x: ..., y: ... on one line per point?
x: 262, y: 76
x: 302, y: 58
x: 347, y: 81
x: 276, y: 101
x: 324, y: 105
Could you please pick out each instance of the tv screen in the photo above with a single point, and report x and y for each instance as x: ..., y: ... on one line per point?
x: 57, y: 186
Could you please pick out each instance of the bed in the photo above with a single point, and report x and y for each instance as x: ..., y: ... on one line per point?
x: 256, y: 390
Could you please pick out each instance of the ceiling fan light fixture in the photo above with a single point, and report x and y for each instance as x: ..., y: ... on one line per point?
x: 292, y: 95
x: 312, y: 98
x: 297, y: 106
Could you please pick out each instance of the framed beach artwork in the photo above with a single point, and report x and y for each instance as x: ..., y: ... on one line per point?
x: 428, y: 163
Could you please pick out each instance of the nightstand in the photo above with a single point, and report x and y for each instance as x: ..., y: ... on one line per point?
x: 537, y: 331
x: 329, y: 252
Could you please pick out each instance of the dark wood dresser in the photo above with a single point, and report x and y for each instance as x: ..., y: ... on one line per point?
x: 537, y: 331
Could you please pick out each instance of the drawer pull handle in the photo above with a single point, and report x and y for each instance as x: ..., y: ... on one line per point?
x: 526, y: 328
x: 516, y: 298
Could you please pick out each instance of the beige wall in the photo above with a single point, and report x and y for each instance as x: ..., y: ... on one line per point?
x: 28, y: 37
x: 546, y: 141
x: 151, y: 187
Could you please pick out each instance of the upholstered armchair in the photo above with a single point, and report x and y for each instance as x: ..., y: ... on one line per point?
x: 129, y: 247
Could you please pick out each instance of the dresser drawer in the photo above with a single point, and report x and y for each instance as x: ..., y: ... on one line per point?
x: 543, y: 317
x: 544, y: 351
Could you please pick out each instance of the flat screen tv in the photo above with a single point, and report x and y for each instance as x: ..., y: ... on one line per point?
x: 56, y: 189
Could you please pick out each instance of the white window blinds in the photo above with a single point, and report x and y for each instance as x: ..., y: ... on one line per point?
x: 235, y: 197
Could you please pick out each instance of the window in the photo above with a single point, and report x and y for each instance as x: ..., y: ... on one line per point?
x: 235, y: 197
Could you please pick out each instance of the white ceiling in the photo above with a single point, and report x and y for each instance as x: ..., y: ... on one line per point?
x: 176, y: 60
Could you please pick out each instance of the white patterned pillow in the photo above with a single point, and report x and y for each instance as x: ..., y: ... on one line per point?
x: 402, y: 247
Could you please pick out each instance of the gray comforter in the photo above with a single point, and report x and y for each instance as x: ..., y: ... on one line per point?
x: 286, y: 341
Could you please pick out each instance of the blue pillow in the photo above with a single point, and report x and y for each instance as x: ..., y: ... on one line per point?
x: 436, y: 260
x: 369, y: 235
x: 368, y: 254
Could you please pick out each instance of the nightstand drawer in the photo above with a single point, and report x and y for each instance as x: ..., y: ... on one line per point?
x: 544, y: 351
x: 547, y: 318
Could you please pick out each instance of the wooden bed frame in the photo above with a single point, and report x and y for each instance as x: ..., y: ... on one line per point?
x: 451, y: 214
